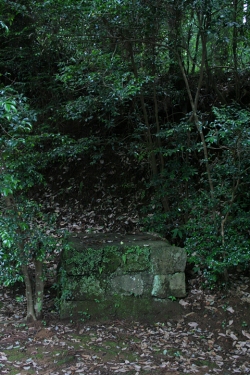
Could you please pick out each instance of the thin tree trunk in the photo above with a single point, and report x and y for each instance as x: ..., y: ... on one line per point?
x: 148, y: 134
x: 164, y: 199
x: 158, y: 129
x: 38, y: 304
x: 235, y: 51
x: 31, y: 316
x: 196, y: 52
x: 223, y: 221
x: 194, y: 106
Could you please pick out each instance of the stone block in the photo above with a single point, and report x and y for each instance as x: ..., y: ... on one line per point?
x: 127, y: 285
x: 124, y: 276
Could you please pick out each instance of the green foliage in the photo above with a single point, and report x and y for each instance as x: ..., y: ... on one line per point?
x: 217, y: 231
x: 206, y: 249
x: 27, y: 234
x: 172, y: 298
x: 30, y: 234
x: 213, y: 225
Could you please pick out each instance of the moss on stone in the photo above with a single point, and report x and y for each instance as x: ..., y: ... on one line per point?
x: 136, y: 259
x: 86, y: 261
x: 83, y: 288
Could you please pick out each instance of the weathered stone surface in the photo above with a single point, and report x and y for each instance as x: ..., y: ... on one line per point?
x: 126, y: 276
x: 160, y: 286
x: 167, y: 259
x: 165, y: 286
x: 177, y: 284
x: 128, y: 284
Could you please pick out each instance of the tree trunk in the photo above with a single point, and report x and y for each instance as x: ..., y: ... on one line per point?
x: 148, y: 135
x: 33, y: 310
x: 164, y: 199
x: 38, y: 303
x: 235, y: 51
x: 29, y: 295
x: 194, y: 106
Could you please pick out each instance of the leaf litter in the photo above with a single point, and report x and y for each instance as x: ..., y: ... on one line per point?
x: 203, y: 341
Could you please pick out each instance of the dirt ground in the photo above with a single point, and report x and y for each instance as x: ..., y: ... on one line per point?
x: 212, y: 336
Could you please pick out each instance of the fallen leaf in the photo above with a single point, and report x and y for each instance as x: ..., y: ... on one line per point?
x: 232, y: 335
x: 246, y: 334
x: 183, y: 303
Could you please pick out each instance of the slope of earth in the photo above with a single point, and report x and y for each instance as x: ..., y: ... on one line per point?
x: 212, y: 337
x: 104, y: 196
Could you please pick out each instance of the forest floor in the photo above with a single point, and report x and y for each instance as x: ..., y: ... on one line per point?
x: 212, y: 336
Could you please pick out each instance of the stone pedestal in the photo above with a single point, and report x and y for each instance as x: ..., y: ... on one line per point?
x: 107, y: 276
